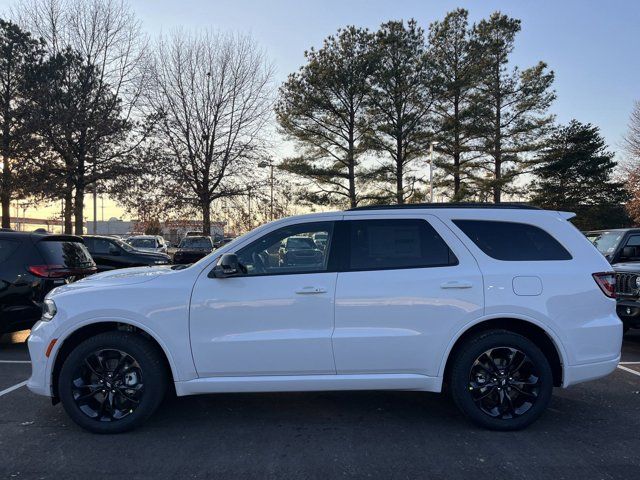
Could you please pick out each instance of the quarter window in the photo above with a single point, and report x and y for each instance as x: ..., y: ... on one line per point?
x: 302, y: 248
x: 7, y: 247
x: 392, y: 244
x: 513, y: 241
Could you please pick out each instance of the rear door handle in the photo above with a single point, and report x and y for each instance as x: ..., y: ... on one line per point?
x: 310, y: 290
x: 456, y: 284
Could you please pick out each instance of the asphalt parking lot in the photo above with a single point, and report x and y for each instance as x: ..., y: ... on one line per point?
x: 590, y: 431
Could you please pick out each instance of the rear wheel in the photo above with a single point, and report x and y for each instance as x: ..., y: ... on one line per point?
x: 501, y: 380
x: 112, y: 382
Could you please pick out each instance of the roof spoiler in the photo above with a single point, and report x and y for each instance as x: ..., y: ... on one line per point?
x: 566, y: 215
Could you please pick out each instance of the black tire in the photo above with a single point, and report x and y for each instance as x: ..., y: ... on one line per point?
x: 144, y: 370
x: 480, y: 379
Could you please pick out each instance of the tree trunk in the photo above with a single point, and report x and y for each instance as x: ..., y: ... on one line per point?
x: 399, y: 171
x: 206, y: 217
x: 78, y: 210
x: 6, y: 197
x: 68, y: 210
x: 456, y: 149
x: 353, y: 201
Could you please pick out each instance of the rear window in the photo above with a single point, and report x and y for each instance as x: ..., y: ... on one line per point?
x: 7, y: 247
x: 67, y: 254
x: 513, y: 241
x: 195, y: 242
x: 392, y: 244
x: 143, y: 242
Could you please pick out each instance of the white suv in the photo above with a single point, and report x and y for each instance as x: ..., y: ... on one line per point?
x: 501, y: 303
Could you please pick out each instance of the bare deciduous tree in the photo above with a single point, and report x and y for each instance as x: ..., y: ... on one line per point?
x: 212, y: 93
x: 632, y: 138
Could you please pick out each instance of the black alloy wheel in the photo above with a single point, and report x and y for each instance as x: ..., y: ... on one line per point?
x: 112, y: 382
x: 108, y: 385
x: 500, y: 380
x: 504, y: 383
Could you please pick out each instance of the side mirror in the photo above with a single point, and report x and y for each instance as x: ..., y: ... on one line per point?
x: 114, y: 251
x: 227, y: 266
x: 629, y: 252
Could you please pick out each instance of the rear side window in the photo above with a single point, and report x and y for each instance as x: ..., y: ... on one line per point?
x: 392, y: 244
x: 7, y: 247
x: 513, y: 241
x: 65, y: 253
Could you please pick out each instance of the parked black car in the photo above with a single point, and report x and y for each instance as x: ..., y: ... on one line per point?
x: 622, y: 248
x: 191, y: 249
x: 110, y: 253
x: 32, y: 264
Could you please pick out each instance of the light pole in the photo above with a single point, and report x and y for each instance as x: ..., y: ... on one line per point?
x: 269, y: 164
x: 431, y: 170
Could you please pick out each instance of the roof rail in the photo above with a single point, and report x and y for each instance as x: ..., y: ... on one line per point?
x: 499, y: 206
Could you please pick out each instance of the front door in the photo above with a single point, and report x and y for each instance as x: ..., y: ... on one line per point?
x: 277, y: 318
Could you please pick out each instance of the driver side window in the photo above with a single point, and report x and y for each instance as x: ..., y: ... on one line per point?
x: 302, y: 248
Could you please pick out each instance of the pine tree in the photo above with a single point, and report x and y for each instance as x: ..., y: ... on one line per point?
x: 400, y: 103
x: 576, y: 169
x: 19, y: 52
x: 512, y: 106
x: 322, y: 109
x: 455, y: 64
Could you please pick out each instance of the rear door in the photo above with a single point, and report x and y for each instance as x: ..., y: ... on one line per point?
x: 408, y: 286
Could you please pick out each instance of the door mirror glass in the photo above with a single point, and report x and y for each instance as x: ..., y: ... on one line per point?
x: 227, y: 266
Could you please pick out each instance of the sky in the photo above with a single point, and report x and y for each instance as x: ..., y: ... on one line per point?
x: 592, y: 46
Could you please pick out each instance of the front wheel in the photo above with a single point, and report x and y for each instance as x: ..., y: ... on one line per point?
x: 112, y: 382
x: 501, y: 380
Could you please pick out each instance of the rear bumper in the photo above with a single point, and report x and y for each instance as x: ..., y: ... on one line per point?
x: 574, y: 374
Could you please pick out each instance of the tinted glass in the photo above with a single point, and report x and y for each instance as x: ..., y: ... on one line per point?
x: 387, y: 244
x: 7, y: 247
x: 634, y: 241
x: 606, y: 242
x: 143, y: 242
x: 66, y: 254
x: 288, y: 250
x: 513, y: 241
x: 196, y: 242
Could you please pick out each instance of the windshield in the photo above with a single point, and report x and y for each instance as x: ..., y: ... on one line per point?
x: 124, y: 245
x: 143, y: 242
x: 195, y: 242
x: 606, y: 242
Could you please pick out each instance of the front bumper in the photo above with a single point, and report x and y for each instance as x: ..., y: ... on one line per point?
x: 629, y: 312
x: 37, y: 343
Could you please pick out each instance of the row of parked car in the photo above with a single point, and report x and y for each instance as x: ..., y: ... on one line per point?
x: 33, y: 263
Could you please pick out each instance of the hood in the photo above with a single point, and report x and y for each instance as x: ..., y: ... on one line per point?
x: 124, y: 276
x: 150, y: 254
x: 633, y: 267
x: 194, y: 250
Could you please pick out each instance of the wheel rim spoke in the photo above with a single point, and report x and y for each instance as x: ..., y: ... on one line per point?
x: 503, y: 382
x: 107, y: 385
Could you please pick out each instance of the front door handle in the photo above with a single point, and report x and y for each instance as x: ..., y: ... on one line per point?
x: 456, y: 284
x: 311, y: 290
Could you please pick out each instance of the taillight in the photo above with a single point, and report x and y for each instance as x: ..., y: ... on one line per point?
x: 58, y: 271
x: 607, y: 283
x: 48, y: 271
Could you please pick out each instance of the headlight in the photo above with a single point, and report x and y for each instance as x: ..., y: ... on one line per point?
x: 49, y: 309
x: 160, y: 262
